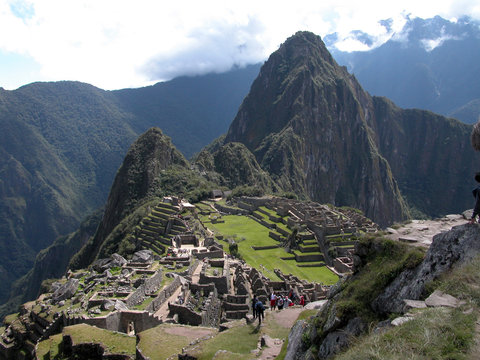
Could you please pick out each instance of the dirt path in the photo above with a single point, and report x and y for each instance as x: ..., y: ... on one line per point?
x: 190, y: 332
x: 163, y: 311
x: 284, y: 318
x: 421, y: 232
x: 196, y: 273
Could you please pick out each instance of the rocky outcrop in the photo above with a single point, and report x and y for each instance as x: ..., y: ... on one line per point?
x: 137, y: 178
x: 317, y: 133
x: 447, y: 250
x: 308, y: 123
x: 339, y: 321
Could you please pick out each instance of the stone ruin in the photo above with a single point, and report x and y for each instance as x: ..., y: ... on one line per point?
x: 205, y: 287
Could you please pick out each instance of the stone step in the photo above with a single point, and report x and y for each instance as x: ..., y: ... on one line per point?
x: 309, y: 248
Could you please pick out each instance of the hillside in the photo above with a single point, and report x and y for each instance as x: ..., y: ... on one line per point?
x: 430, y: 64
x: 62, y: 143
x: 415, y: 306
x: 317, y: 133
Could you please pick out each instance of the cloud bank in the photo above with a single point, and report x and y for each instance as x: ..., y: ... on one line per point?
x: 118, y: 44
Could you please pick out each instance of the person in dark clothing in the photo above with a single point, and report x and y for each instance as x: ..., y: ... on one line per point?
x: 254, y: 304
x: 260, y: 308
x: 476, y: 195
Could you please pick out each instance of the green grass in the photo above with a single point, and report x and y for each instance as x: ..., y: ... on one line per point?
x: 114, y: 342
x: 238, y: 342
x: 158, y: 344
x: 49, y: 349
x: 438, y: 333
x: 257, y: 235
x: 271, y: 212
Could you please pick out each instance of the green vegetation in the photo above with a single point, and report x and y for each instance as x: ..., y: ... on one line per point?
x: 437, y: 333
x: 50, y: 348
x: 384, y: 260
x: 166, y: 340
x: 266, y: 260
x: 114, y: 342
x: 238, y: 342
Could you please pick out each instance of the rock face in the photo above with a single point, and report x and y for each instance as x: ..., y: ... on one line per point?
x: 331, y: 331
x: 137, y: 178
x: 448, y: 249
x: 319, y: 134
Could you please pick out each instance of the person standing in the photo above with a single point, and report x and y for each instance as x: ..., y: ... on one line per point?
x: 273, y: 301
x: 260, y: 309
x: 476, y: 195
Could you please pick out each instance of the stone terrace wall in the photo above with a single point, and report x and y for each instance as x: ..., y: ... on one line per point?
x: 185, y: 315
x: 120, y: 320
x: 232, y: 211
x: 150, y: 286
x: 164, y: 295
x: 211, y: 313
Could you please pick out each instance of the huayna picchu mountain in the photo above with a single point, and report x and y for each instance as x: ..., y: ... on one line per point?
x: 314, y: 129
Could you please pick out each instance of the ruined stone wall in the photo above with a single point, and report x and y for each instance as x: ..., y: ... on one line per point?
x: 185, y: 315
x: 209, y: 254
x: 320, y: 236
x: 150, y: 286
x: 255, y: 201
x: 275, y: 236
x: 164, y: 295
x: 232, y: 211
x: 212, y: 310
x: 221, y: 282
x: 258, y: 218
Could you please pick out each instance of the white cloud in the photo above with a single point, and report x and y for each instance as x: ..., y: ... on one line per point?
x: 119, y: 43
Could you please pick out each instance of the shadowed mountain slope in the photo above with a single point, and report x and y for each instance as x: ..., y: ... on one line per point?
x: 319, y: 134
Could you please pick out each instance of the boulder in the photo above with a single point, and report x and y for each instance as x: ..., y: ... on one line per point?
x: 413, y: 304
x: 100, y: 265
x: 120, y: 305
x: 336, y: 341
x: 401, y: 320
x: 315, y: 305
x: 295, y: 344
x: 108, y: 304
x: 438, y: 298
x: 118, y: 260
x: 448, y: 249
x: 66, y: 291
x: 143, y: 256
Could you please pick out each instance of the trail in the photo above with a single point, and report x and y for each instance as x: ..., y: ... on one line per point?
x: 163, y: 311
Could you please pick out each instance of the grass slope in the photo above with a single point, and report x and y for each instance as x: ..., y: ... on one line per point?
x: 254, y: 234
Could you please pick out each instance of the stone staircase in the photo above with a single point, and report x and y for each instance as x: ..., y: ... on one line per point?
x: 159, y: 227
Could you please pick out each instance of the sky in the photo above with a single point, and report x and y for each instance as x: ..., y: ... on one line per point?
x: 116, y: 44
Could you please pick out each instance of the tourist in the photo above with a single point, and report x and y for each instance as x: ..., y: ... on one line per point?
x: 273, y: 300
x: 280, y: 302
x: 476, y: 195
x: 260, y: 308
x: 302, y: 300
x: 254, y: 303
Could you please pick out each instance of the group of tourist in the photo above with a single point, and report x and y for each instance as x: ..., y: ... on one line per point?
x: 276, y: 302
x: 281, y: 301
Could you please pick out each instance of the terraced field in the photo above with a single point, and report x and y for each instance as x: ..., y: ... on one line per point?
x: 248, y: 232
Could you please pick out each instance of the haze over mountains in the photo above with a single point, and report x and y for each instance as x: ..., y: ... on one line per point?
x: 431, y: 64
x: 62, y: 143
x: 306, y: 127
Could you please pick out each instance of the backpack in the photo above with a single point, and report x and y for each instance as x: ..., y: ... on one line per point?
x: 259, y: 306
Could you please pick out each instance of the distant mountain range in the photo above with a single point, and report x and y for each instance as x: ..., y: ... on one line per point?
x: 306, y: 128
x: 61, y: 144
x: 431, y: 64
